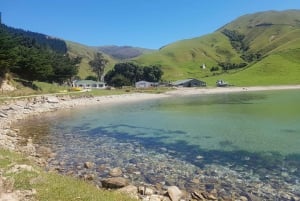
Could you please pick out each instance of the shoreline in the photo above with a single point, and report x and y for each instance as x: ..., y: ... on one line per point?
x: 14, y: 110
x: 220, y: 90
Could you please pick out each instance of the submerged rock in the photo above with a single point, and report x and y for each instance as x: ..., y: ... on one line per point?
x: 88, y: 165
x: 115, y: 172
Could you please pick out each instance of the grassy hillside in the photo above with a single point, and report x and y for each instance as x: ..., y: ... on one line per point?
x: 274, y: 35
x: 87, y: 54
x: 123, y: 52
x: 277, y: 69
x: 185, y: 58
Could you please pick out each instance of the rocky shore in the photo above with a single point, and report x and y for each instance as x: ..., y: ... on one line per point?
x: 14, y: 110
x: 212, y: 183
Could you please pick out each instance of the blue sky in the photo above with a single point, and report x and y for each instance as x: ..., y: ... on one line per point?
x: 140, y: 23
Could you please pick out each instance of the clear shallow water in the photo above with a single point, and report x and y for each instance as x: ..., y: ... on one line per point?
x: 256, y: 134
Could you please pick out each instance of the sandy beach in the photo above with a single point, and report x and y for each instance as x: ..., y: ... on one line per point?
x: 218, y: 90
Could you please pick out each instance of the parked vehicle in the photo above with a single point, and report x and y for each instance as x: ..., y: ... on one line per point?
x: 221, y: 83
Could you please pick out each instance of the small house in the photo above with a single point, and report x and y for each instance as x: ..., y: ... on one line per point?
x: 89, y: 84
x: 189, y: 83
x: 145, y: 84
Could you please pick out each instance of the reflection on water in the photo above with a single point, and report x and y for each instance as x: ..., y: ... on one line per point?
x: 252, y: 137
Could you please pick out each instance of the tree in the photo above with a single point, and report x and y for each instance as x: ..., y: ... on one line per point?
x: 120, y: 80
x: 8, y: 52
x: 32, y: 57
x: 91, y: 77
x: 64, y: 68
x: 98, y: 65
x: 133, y: 73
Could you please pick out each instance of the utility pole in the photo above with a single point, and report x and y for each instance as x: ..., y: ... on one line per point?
x: 0, y: 18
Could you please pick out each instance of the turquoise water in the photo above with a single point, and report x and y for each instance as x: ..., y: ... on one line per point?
x: 252, y: 122
x: 256, y: 134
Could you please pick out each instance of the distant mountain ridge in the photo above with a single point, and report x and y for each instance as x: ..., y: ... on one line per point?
x: 123, y: 52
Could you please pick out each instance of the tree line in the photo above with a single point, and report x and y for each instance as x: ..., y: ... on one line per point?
x: 43, y: 40
x: 35, y: 57
x: 123, y: 74
x: 126, y: 74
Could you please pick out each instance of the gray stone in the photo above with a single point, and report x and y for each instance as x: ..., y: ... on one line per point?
x: 243, y: 198
x: 44, y: 151
x: 115, y: 182
x: 88, y: 165
x: 52, y: 99
x: 130, y: 190
x: 115, y: 172
x: 174, y: 193
x: 144, y: 190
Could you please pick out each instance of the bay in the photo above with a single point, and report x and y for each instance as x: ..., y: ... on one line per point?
x: 175, y: 140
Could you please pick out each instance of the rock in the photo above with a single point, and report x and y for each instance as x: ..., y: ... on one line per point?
x: 12, y: 134
x: 174, y: 193
x: 116, y: 172
x: 130, y: 190
x: 44, y: 151
x: 144, y: 190
x: 157, y: 198
x: 115, y: 182
x: 209, y: 187
x: 251, y: 197
x: 211, y: 197
x: 8, y: 185
x: 89, y: 177
x: 52, y: 99
x: 195, y: 181
x: 197, y: 196
x: 88, y: 165
x: 29, y: 148
x: 243, y: 198
x: 3, y: 115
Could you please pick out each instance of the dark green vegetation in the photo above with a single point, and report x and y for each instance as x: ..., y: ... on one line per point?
x: 126, y: 74
x: 35, y: 57
x: 257, y: 49
x: 51, y: 186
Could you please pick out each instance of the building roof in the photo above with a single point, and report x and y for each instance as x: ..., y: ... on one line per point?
x: 179, y: 82
x: 87, y: 82
x: 143, y: 81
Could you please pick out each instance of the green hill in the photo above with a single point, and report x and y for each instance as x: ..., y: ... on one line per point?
x: 266, y: 45
x: 185, y: 58
x: 87, y: 54
x: 268, y: 42
x: 123, y: 52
